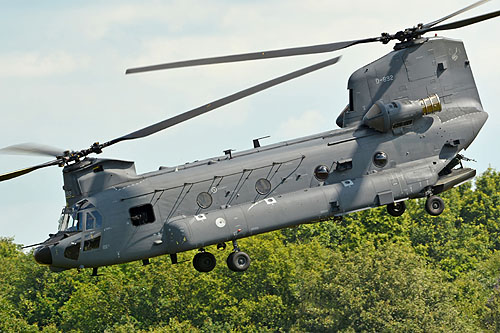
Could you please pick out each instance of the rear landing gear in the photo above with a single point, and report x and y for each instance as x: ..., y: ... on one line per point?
x: 238, y: 261
x: 396, y: 208
x: 434, y: 205
x: 204, y: 261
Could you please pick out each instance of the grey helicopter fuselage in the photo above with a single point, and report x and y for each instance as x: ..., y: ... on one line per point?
x: 388, y: 150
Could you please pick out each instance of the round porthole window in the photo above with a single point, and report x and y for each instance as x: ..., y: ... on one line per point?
x: 204, y: 200
x: 321, y: 172
x: 380, y: 159
x: 263, y: 186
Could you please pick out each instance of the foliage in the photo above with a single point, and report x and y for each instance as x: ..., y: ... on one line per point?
x: 368, y: 272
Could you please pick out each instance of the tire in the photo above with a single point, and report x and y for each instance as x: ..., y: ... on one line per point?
x: 434, y: 205
x: 229, y: 261
x: 204, y: 262
x: 238, y: 261
x: 396, y: 208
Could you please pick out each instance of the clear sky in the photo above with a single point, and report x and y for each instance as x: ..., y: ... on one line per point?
x: 62, y: 81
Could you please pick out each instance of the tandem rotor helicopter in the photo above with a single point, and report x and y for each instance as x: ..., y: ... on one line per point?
x: 410, y: 115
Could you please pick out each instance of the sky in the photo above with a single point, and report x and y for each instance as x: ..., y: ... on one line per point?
x: 62, y: 81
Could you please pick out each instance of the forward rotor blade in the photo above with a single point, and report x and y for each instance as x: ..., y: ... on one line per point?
x: 463, y: 23
x: 32, y: 149
x: 313, y: 49
x: 463, y: 10
x: 220, y: 102
x: 322, y: 48
x: 21, y: 172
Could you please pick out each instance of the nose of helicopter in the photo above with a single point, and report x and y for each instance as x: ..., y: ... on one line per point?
x: 43, y: 256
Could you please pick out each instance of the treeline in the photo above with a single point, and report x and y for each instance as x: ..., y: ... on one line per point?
x: 368, y: 272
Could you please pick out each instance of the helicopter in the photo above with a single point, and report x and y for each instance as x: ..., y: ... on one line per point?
x: 410, y: 115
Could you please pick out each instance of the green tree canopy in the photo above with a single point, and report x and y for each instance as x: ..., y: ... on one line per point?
x: 367, y: 272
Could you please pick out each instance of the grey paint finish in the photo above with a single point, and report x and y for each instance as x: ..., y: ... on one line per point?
x: 413, y: 73
x: 415, y: 155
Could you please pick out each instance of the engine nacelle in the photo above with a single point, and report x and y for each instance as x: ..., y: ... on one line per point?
x: 384, y: 117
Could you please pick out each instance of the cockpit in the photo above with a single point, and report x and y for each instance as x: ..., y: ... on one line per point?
x: 81, y: 216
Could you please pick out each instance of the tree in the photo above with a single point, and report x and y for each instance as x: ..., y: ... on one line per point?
x: 370, y: 271
x: 389, y: 288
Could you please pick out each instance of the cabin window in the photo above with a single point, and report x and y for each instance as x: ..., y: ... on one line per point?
x: 143, y: 214
x: 92, y: 244
x: 380, y: 159
x: 263, y: 186
x: 72, y: 251
x: 321, y: 172
x: 204, y: 200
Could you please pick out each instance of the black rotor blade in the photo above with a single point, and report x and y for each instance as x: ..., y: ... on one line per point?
x: 322, y: 48
x: 220, y: 102
x: 21, y: 172
x: 462, y: 23
x: 32, y: 149
x: 463, y: 10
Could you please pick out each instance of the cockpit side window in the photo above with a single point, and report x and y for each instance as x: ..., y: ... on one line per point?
x: 75, y: 224
x: 93, y: 220
x: 90, y: 222
x: 98, y: 219
x: 80, y: 217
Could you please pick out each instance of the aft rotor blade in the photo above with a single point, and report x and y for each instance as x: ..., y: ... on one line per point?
x: 322, y: 48
x: 220, y: 102
x: 21, y: 172
x: 463, y: 23
x: 32, y: 149
x: 463, y: 10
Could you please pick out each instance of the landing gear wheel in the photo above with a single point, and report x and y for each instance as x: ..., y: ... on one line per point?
x: 238, y: 261
x: 229, y: 261
x: 204, y: 262
x: 396, y: 208
x: 434, y: 205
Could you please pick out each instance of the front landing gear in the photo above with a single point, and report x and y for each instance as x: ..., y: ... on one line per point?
x: 396, y: 208
x: 238, y: 261
x: 434, y: 205
x: 204, y: 261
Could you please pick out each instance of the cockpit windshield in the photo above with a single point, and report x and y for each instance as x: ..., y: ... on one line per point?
x: 79, y: 217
